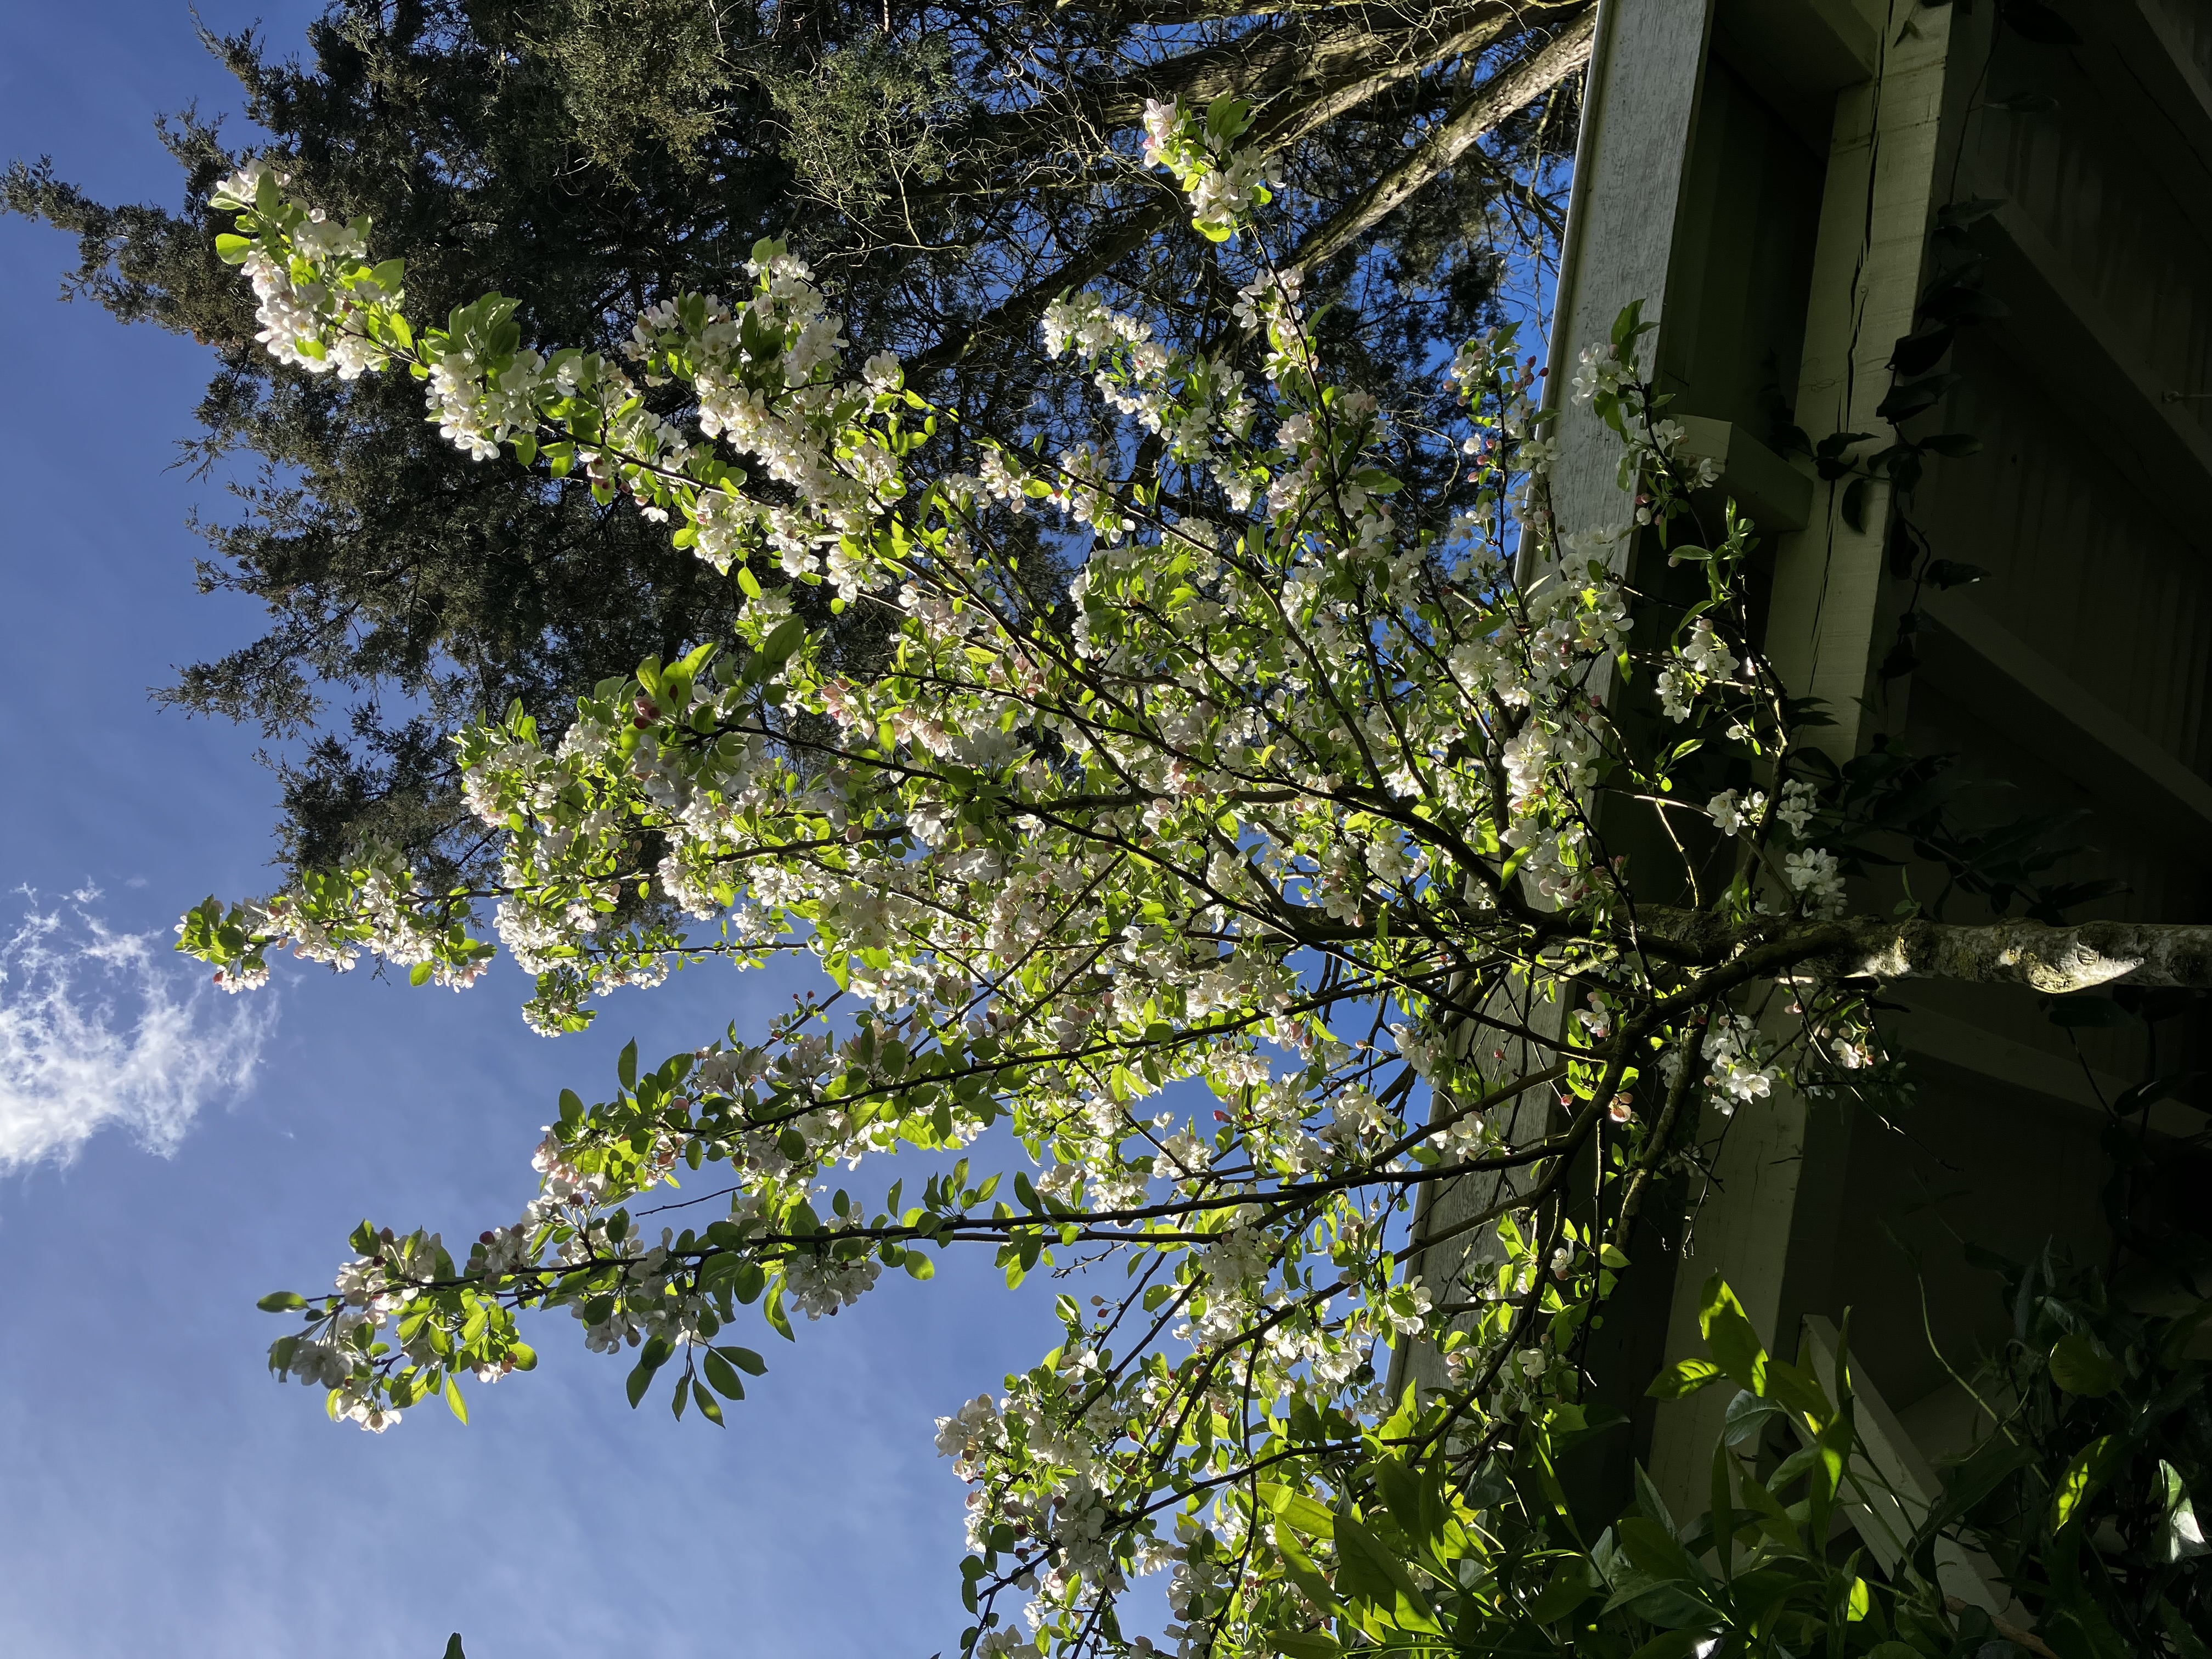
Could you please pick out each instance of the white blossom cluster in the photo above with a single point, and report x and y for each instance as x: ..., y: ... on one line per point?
x: 1811, y: 875
x: 312, y: 297
x: 1224, y: 181
x: 1737, y: 1070
x: 1112, y: 881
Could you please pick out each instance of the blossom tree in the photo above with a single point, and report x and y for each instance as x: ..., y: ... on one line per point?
x: 1264, y: 884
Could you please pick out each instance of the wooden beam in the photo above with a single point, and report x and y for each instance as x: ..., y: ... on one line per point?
x: 1799, y: 54
x: 2159, y: 66
x: 1826, y: 629
x: 1647, y: 73
x: 1773, y: 492
x: 2059, y: 332
x: 1764, y: 1214
x: 1742, y: 1226
x: 2021, y: 1065
x: 2155, y: 99
x: 2061, y: 719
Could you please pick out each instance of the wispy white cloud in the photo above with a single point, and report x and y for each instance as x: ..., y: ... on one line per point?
x: 105, y: 1030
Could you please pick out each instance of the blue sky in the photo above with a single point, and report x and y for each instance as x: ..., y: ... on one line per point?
x: 163, y: 1495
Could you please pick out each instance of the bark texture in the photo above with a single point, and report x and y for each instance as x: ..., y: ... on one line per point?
x: 1446, y: 143
x: 2053, y: 960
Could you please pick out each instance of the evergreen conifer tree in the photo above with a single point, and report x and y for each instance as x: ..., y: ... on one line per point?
x: 936, y: 164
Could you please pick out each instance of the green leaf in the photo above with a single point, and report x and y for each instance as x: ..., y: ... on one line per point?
x: 723, y: 1375
x: 1685, y: 1377
x: 1773, y: 1519
x: 420, y: 973
x: 1653, y: 1506
x: 1953, y: 573
x: 920, y: 1265
x: 790, y: 634
x: 1574, y: 1583
x: 1747, y: 1416
x: 453, y: 1647
x: 1727, y: 1332
x: 1672, y: 1644
x: 709, y: 1406
x: 2181, y: 1537
x: 1297, y: 1509
x: 744, y: 1359
x: 1966, y: 1484
x: 1834, y: 1447
x: 1405, y: 1493
x: 1302, y: 1570
x: 281, y: 1302
x: 1855, y: 504
x: 1366, y: 1568
x: 2083, y: 1476
x: 1798, y: 1390
x: 2145, y: 1094
x: 232, y: 249
x: 454, y: 1400
x: 2186, y: 1642
x: 653, y: 1355
x: 2078, y: 1366
x: 626, y: 1067
x: 1653, y: 1548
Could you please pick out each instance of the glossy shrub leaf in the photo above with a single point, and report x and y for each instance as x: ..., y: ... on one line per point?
x: 2081, y: 1479
x: 1684, y: 1377
x: 2079, y: 1367
x: 2181, y: 1536
x: 1736, y: 1346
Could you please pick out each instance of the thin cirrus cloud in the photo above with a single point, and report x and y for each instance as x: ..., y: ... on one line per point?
x: 101, y: 1030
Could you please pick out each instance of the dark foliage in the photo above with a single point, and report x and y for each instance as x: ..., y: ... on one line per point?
x: 950, y: 169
